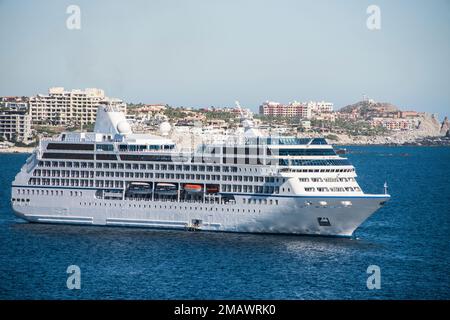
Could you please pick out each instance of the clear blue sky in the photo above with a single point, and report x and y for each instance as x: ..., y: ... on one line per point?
x: 208, y: 52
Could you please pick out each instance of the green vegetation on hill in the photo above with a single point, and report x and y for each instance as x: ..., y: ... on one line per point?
x: 89, y: 127
x: 353, y: 128
x: 358, y: 128
x: 365, y: 107
x: 25, y: 145
x: 175, y: 113
x: 48, y: 129
x: 218, y: 115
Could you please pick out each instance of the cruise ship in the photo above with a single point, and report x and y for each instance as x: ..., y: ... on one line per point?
x: 255, y: 184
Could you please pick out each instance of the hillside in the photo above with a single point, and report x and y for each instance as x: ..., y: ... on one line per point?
x: 368, y: 106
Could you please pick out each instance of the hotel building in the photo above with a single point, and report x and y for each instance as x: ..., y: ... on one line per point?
x: 62, y: 107
x: 15, y: 121
x: 291, y: 110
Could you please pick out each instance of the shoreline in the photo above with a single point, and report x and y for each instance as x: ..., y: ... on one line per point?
x: 16, y: 150
x: 23, y: 150
x: 431, y: 141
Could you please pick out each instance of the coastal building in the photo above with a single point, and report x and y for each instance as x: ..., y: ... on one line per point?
x: 13, y: 100
x: 192, y: 120
x: 240, y: 112
x: 410, y: 114
x: 320, y: 107
x: 15, y: 122
x: 160, y: 118
x: 149, y: 108
x: 62, y: 107
x: 130, y: 118
x: 305, y: 124
x: 303, y: 110
x: 348, y: 116
x: 217, y: 123
x: 156, y: 107
x: 394, y: 124
x: 292, y: 110
x: 325, y: 116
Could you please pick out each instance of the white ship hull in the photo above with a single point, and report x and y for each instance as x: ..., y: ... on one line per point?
x: 294, y: 215
x: 113, y: 177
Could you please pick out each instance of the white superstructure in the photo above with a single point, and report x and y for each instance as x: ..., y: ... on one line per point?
x: 114, y: 177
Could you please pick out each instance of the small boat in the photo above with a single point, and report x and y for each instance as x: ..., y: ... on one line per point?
x: 163, y: 188
x: 192, y: 188
x: 212, y: 189
x: 139, y: 188
x: 341, y: 151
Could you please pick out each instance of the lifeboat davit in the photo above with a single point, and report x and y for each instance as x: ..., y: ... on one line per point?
x: 193, y: 188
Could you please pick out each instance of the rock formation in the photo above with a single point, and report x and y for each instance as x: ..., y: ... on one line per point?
x: 445, y: 127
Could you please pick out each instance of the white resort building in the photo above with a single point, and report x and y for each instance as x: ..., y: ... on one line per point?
x: 15, y: 122
x: 62, y: 107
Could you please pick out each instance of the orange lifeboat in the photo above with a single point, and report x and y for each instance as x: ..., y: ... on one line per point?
x: 192, y: 188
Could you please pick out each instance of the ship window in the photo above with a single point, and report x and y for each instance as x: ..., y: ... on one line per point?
x: 69, y: 146
x: 312, y: 162
x: 105, y: 147
x: 306, y: 152
x: 106, y: 157
x: 128, y: 157
x: 318, y: 141
x: 81, y: 156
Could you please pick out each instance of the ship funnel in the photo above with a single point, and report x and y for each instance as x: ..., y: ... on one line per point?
x: 111, y: 121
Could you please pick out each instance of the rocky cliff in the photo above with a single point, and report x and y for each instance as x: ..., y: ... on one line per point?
x: 428, y: 126
x: 445, y: 127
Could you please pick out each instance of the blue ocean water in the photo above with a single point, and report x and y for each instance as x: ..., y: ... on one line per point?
x: 409, y: 239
